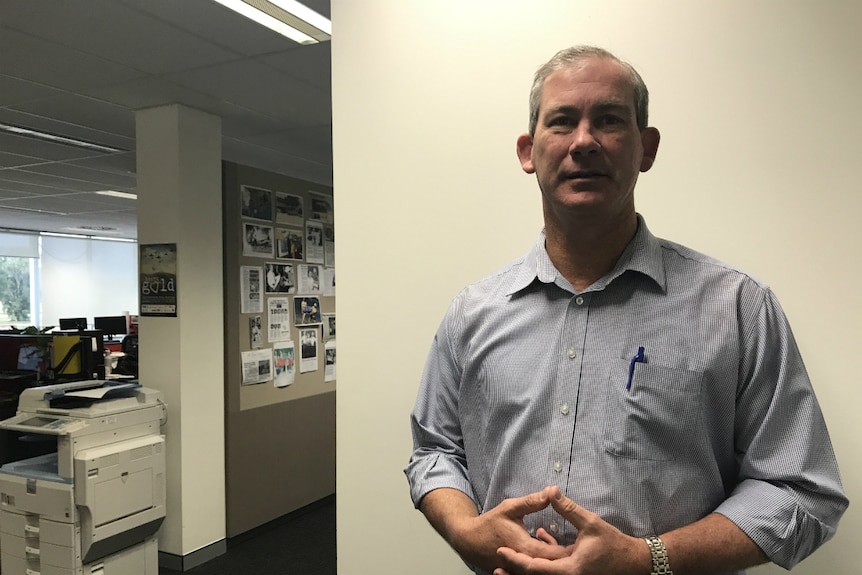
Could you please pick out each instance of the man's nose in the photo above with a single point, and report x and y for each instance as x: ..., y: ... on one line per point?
x: 583, y: 141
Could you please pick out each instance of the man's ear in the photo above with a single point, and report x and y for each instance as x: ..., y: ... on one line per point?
x: 525, y: 153
x: 649, y: 140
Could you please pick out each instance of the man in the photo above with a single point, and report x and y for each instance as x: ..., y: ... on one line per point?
x: 658, y: 392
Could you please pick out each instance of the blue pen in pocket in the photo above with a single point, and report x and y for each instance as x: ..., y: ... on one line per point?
x: 639, y: 358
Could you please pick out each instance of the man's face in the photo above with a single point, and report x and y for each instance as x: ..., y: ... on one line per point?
x: 587, y: 150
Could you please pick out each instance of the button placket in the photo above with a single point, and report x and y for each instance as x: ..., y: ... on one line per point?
x: 568, y: 382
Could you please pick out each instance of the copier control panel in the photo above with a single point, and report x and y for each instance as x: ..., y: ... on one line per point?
x: 46, y: 424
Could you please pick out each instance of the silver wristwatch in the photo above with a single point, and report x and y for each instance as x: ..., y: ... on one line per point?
x: 658, y: 553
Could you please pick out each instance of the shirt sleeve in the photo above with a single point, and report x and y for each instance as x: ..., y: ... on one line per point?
x: 438, y: 458
x: 789, y: 496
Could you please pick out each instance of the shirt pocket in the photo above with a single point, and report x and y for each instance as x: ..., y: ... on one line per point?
x: 659, y: 418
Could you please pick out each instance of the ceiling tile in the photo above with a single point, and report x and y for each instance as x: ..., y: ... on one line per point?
x: 216, y: 24
x: 47, y: 182
x: 7, y: 193
x: 83, y: 111
x: 134, y: 38
x: 39, y: 148
x: 253, y: 85
x: 123, y: 163
x: 311, y: 64
x: 15, y: 90
x: 312, y: 143
x: 59, y: 125
x: 45, y: 62
x: 152, y: 92
x: 278, y: 162
x: 103, y: 180
x: 66, y: 204
x: 10, y: 160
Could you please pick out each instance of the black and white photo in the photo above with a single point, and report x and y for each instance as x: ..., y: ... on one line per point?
x: 279, y: 278
x: 256, y: 203
x: 257, y: 240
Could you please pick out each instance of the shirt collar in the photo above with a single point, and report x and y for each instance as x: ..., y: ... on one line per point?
x: 643, y: 255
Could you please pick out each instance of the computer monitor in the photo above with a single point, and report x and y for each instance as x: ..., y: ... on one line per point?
x: 111, y: 325
x: 73, y: 323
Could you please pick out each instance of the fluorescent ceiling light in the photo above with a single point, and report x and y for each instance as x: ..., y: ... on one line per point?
x: 22, y: 209
x: 305, y: 14
x: 115, y: 194
x: 57, y: 139
x: 286, y: 17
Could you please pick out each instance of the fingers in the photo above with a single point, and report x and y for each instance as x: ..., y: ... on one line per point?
x: 518, y: 507
x: 522, y: 563
x: 571, y: 511
x: 545, y: 537
x: 538, y: 548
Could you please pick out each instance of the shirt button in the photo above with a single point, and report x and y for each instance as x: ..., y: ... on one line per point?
x: 572, y: 353
x: 558, y: 466
x: 553, y: 527
x: 579, y: 300
x: 564, y: 409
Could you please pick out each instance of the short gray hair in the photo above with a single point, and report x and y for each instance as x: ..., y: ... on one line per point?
x: 571, y: 56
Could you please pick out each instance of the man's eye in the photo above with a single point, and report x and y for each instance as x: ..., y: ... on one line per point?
x: 560, y: 121
x: 611, y: 120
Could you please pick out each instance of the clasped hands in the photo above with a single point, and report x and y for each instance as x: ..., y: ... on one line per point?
x: 498, y: 541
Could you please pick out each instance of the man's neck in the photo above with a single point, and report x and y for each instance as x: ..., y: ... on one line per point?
x: 585, y: 251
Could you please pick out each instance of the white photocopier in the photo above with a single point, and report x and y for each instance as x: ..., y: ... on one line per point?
x: 94, y: 506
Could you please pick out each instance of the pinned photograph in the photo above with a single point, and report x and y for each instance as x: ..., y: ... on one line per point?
x: 256, y: 203
x: 308, y: 350
x: 328, y: 326
x: 289, y: 243
x: 321, y: 208
x: 257, y: 241
x: 329, y: 361
x: 255, y: 330
x: 309, y: 279
x: 279, y: 278
x: 306, y: 311
x: 288, y: 209
x: 250, y: 280
x: 284, y: 359
x: 314, y: 252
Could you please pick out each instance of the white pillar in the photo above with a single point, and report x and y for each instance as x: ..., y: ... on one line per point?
x: 179, y: 201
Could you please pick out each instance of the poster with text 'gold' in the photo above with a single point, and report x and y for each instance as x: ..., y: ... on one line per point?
x: 158, y: 280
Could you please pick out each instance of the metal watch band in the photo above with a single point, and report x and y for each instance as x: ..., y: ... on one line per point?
x: 658, y: 553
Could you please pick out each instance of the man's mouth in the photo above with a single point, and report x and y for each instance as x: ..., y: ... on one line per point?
x: 585, y: 174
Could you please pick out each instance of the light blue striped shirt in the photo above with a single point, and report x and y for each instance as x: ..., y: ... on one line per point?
x: 525, y: 386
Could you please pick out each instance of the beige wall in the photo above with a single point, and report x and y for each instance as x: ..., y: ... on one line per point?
x: 280, y: 446
x: 758, y: 104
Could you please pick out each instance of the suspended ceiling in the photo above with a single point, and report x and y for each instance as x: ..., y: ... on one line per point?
x: 80, y: 69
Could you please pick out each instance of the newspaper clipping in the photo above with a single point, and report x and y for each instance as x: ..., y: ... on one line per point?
x: 256, y: 366
x: 284, y: 355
